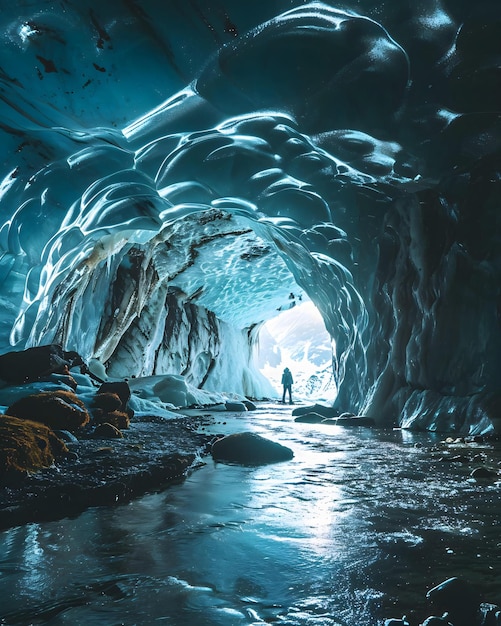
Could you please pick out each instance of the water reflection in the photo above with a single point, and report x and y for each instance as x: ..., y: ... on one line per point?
x: 356, y: 528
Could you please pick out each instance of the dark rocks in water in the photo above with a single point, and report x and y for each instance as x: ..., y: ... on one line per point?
x: 232, y: 405
x: 249, y: 405
x: 458, y: 599
x: 119, y: 419
x: 249, y: 449
x: 460, y: 605
x: 367, y: 422
x: 482, y: 473
x: 310, y: 418
x: 66, y: 436
x: 60, y: 410
x: 36, y: 363
x: 107, y: 431
x: 217, y: 408
x: 326, y: 411
x: 26, y: 446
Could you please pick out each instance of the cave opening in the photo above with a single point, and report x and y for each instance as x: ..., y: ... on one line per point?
x: 297, y: 338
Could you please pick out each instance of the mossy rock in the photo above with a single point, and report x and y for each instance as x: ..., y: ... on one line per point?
x: 26, y: 446
x: 60, y: 410
x: 120, y: 388
x: 119, y: 419
x: 107, y: 401
x: 107, y: 431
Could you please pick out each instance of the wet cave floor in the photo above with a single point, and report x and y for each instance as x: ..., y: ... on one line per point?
x: 356, y: 528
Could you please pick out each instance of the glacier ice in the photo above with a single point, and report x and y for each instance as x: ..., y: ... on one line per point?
x: 169, y: 177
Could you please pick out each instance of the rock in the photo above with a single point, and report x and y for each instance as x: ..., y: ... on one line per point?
x: 35, y: 363
x: 108, y: 407
x: 107, y: 401
x: 310, y: 418
x: 66, y: 436
x: 249, y: 405
x: 351, y: 421
x: 60, y: 410
x: 218, y: 408
x: 326, y: 411
x: 107, y: 431
x: 249, y: 449
x: 26, y: 446
x: 491, y: 614
x: 396, y: 622
x: 436, y: 621
x: 480, y: 473
x: 120, y: 388
x: 458, y: 599
x: 119, y: 419
x: 235, y: 406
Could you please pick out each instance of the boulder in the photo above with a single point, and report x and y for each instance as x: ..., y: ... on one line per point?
x: 26, y: 446
x: 60, y: 410
x: 232, y: 405
x: 35, y: 363
x: 119, y: 419
x: 107, y: 401
x: 108, y: 407
x: 458, y: 599
x: 249, y: 449
x: 484, y: 473
x: 351, y: 421
x: 119, y: 388
x: 326, y: 411
x: 310, y: 418
x: 107, y: 431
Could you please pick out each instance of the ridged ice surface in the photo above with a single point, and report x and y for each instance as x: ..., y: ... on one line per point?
x: 170, y: 178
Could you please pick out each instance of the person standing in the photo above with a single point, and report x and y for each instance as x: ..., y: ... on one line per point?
x: 287, y: 383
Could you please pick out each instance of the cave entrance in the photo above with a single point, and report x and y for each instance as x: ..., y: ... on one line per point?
x: 297, y: 339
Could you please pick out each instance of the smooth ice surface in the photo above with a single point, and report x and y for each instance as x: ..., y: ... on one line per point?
x: 170, y: 173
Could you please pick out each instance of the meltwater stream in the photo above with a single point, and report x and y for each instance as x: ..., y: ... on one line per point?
x: 355, y: 529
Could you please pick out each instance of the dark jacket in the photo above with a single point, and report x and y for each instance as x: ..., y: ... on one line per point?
x: 287, y: 378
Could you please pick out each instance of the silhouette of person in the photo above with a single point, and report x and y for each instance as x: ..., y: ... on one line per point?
x: 287, y: 384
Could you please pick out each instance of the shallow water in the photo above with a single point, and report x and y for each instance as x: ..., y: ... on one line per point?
x: 355, y: 529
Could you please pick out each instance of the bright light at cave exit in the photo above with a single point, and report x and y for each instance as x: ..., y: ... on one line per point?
x: 297, y: 339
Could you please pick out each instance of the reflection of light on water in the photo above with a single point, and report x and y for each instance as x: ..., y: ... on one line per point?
x: 34, y: 560
x: 310, y: 511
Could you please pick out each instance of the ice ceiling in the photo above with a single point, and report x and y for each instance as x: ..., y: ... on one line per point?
x: 174, y: 173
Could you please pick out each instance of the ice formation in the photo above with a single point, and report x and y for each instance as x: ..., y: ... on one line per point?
x: 171, y: 172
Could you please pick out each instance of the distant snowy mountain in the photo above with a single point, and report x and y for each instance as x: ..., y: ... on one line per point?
x: 297, y: 339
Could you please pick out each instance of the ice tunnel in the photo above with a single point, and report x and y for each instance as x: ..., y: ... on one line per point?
x: 172, y: 172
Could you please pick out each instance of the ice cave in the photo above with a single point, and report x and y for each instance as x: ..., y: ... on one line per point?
x: 177, y: 174
x: 171, y: 173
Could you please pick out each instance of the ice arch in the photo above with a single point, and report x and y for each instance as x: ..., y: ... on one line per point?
x: 123, y: 254
x: 268, y: 154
